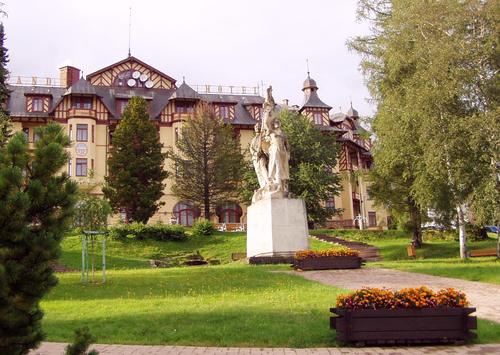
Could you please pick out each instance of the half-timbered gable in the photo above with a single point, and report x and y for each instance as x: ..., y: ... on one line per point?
x: 131, y: 72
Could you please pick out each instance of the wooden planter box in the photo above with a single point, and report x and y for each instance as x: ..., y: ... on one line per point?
x: 328, y: 262
x: 403, y: 326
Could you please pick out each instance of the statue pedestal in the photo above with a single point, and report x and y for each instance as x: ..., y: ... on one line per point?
x: 276, y: 225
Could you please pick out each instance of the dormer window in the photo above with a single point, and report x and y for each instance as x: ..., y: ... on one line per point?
x: 82, y: 102
x: 184, y: 107
x: 37, y: 104
x: 224, y: 112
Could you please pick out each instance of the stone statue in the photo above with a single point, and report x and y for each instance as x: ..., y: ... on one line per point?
x: 279, y: 155
x: 270, y: 154
x: 259, y: 158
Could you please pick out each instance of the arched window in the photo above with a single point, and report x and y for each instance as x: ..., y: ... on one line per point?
x: 229, y: 212
x: 185, y: 213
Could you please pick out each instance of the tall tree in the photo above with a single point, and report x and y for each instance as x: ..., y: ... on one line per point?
x: 432, y: 66
x: 36, y: 206
x: 313, y: 156
x: 208, y: 161
x: 5, y: 121
x: 136, y: 173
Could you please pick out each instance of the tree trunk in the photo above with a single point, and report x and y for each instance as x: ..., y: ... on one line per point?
x: 462, y: 236
x: 498, y: 237
x: 416, y: 220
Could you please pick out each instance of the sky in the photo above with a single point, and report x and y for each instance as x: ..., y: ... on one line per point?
x: 219, y: 42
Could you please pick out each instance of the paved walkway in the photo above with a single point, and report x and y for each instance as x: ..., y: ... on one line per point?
x: 58, y: 349
x: 485, y: 297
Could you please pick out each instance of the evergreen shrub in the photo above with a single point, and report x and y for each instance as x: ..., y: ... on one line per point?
x: 141, y: 231
x: 203, y: 227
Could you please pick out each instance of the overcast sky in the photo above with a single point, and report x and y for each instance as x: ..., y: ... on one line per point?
x: 226, y: 42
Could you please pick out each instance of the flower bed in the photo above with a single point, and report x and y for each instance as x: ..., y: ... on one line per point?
x: 335, y: 258
x: 408, y: 316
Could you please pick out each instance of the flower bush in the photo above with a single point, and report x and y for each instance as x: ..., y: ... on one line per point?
x: 337, y: 251
x: 414, y: 298
x: 203, y: 227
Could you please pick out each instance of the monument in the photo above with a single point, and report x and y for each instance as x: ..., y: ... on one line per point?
x: 276, y: 222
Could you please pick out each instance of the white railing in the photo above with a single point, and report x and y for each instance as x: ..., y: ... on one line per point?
x: 34, y: 81
x: 226, y: 89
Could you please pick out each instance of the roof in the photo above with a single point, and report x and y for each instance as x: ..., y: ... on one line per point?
x: 338, y: 117
x: 352, y: 112
x: 17, y: 101
x: 81, y: 87
x: 241, y: 115
x: 131, y: 58
x: 185, y: 92
x: 309, y: 83
x: 312, y: 100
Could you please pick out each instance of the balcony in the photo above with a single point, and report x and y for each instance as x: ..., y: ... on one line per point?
x: 82, y: 113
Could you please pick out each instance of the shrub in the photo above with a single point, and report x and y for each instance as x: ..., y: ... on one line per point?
x: 421, y: 297
x: 141, y: 231
x: 337, y: 251
x: 82, y: 341
x: 203, y: 227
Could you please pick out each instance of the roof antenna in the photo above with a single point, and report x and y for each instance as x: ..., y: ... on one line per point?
x: 307, y: 64
x: 129, y: 28
x: 183, y: 79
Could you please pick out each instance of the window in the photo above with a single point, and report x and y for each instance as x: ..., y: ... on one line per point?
x: 36, y: 136
x: 81, y: 167
x: 93, y: 134
x: 70, y: 132
x: 185, y: 213
x: 69, y: 167
x: 318, y: 118
x: 176, y: 135
x: 81, y: 132
x: 229, y: 212
x: 82, y: 102
x: 37, y: 104
x: 353, y: 157
x: 184, y: 107
x: 224, y: 112
x: 26, y: 132
x: 372, y: 219
x: 330, y: 203
x: 92, y: 164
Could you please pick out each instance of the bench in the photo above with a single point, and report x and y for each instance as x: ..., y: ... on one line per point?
x: 410, y: 249
x: 483, y: 252
x: 230, y: 227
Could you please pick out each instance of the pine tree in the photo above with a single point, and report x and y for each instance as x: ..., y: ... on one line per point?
x: 36, y: 206
x: 135, y: 180
x: 5, y: 122
x: 208, y: 161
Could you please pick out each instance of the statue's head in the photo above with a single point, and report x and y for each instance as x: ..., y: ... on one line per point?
x: 257, y: 127
x: 276, y: 123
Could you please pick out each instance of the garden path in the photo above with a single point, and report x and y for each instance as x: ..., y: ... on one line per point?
x: 58, y: 348
x: 481, y: 295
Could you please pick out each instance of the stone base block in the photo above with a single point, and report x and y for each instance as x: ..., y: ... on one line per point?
x: 276, y: 226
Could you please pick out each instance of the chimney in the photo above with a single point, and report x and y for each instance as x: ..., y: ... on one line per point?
x: 68, y: 76
x: 285, y: 102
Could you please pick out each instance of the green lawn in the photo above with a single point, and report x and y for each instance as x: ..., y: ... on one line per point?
x: 228, y: 305
x: 436, y: 257
x: 233, y: 304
